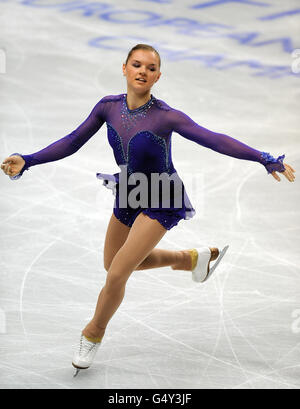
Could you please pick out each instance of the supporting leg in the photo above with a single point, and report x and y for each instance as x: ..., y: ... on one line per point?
x: 144, y: 235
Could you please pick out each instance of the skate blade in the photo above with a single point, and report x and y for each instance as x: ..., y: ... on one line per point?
x: 77, y: 370
x: 221, y: 255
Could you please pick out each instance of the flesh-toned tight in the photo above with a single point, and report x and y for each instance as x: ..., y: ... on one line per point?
x: 126, y: 250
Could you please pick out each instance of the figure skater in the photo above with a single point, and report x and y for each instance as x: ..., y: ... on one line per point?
x: 139, y: 130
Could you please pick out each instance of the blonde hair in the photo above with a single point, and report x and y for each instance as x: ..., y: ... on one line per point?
x: 143, y: 47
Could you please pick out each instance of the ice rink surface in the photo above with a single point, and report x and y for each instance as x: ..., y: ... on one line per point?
x: 233, y: 67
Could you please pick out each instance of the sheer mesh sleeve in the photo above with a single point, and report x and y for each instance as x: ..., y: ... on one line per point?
x: 69, y: 144
x: 185, y: 126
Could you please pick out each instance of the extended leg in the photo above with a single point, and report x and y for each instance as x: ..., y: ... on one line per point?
x: 176, y: 259
x: 116, y: 236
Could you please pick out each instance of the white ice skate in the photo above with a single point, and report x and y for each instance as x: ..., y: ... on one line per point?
x: 85, y: 354
x: 205, y: 255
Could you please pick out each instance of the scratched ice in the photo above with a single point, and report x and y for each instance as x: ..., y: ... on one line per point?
x: 227, y: 64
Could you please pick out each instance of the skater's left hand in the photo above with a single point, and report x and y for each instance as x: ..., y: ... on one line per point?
x: 288, y: 173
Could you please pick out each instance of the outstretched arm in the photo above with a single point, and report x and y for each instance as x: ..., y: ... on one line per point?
x: 67, y: 145
x: 185, y: 126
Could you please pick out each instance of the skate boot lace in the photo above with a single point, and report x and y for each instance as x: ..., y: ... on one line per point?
x: 85, y: 346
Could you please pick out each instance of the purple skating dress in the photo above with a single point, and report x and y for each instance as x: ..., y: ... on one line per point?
x: 141, y: 143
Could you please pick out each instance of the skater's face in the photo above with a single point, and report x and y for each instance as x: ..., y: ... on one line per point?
x: 142, y: 64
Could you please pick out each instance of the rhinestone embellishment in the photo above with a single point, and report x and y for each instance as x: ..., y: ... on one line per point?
x: 130, y: 117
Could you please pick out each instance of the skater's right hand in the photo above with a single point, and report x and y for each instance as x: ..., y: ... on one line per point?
x: 13, y: 165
